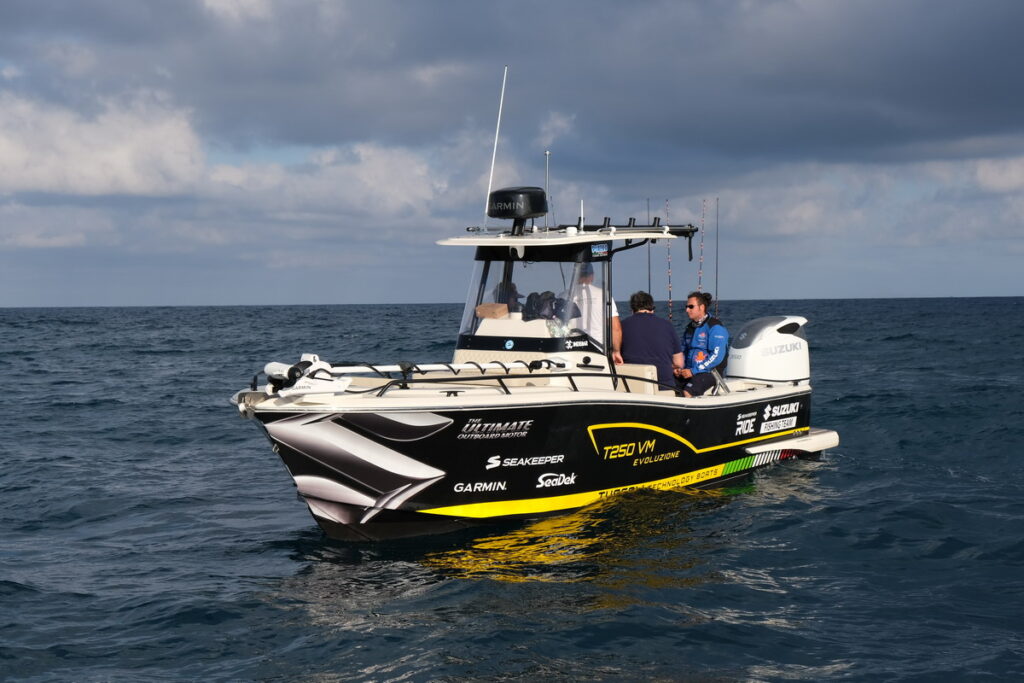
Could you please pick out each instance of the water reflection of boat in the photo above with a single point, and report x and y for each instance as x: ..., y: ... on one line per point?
x: 611, y: 555
x: 531, y: 417
x: 591, y: 544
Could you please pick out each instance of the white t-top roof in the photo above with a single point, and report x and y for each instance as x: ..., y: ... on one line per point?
x: 558, y: 237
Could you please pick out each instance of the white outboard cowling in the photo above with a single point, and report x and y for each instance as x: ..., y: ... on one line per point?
x: 771, y: 349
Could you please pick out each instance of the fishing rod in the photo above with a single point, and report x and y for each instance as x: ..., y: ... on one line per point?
x: 700, y: 261
x: 716, y: 257
x: 649, y: 246
x: 668, y: 251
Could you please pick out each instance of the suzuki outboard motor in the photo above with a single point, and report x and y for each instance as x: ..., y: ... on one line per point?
x: 772, y: 349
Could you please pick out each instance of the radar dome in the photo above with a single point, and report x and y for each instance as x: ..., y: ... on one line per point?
x: 517, y: 203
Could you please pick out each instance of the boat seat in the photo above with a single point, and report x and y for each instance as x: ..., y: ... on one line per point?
x: 491, y: 310
x: 638, y: 370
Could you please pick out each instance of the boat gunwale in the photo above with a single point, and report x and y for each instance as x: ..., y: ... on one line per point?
x: 523, y: 397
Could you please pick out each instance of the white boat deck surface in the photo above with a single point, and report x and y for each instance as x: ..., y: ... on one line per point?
x: 486, y: 392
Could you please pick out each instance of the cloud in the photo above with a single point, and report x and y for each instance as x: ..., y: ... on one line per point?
x: 141, y: 147
x: 553, y: 127
x: 309, y: 134
x: 439, y: 75
x: 1001, y: 175
x: 28, y: 227
x: 239, y: 10
x: 72, y: 60
x: 366, y: 179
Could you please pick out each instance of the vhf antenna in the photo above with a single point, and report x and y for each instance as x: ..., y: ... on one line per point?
x: 547, y: 192
x: 494, y: 154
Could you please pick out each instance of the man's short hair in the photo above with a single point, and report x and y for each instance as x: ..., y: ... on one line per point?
x: 641, y: 301
x: 703, y: 298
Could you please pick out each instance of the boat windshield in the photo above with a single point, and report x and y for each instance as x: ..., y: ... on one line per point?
x: 539, y: 300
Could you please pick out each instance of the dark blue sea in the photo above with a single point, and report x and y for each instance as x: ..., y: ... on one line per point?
x: 149, y: 533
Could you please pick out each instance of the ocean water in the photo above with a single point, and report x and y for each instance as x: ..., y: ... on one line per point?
x: 148, y: 533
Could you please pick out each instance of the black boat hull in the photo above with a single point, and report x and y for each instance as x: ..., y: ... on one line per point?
x: 375, y: 475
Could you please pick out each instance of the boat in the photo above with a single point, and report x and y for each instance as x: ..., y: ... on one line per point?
x: 530, y: 417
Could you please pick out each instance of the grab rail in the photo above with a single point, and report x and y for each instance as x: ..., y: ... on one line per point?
x: 404, y: 382
x: 282, y: 376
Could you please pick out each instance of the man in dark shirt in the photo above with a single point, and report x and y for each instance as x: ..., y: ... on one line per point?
x: 650, y: 340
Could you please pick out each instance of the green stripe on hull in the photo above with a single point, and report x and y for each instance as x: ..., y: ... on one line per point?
x: 738, y: 465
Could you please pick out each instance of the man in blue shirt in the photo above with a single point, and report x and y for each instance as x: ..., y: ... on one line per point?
x: 650, y: 340
x: 705, y: 346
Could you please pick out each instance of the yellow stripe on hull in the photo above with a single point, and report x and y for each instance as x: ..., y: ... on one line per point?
x: 499, y: 508
x: 531, y: 506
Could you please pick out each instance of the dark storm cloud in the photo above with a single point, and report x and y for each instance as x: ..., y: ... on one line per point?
x: 788, y: 81
x: 761, y: 81
x: 109, y: 22
x: 273, y: 133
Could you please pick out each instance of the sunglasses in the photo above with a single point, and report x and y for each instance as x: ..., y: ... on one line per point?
x: 691, y: 305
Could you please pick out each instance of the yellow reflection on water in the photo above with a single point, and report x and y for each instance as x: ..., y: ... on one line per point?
x: 586, y: 544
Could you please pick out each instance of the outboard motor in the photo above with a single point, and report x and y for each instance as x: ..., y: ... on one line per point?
x: 519, y: 204
x: 771, y: 349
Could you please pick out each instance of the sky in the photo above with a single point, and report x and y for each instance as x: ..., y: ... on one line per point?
x: 221, y: 152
